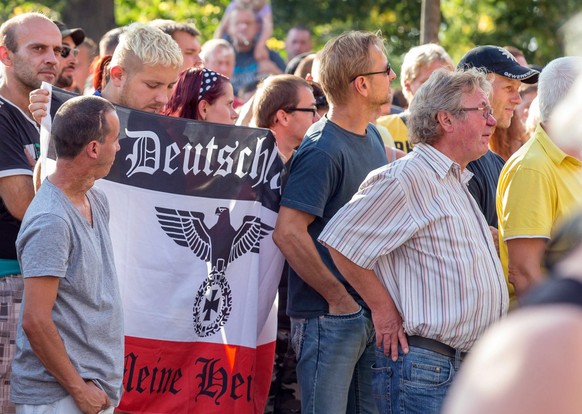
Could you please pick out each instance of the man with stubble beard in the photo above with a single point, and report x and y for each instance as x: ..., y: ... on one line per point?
x: 331, y: 326
x: 505, y: 74
x: 68, y: 57
x: 142, y: 73
x: 29, y: 48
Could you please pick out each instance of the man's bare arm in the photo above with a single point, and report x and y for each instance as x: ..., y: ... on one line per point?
x: 387, y: 320
x: 525, y: 262
x: 292, y: 238
x: 16, y: 191
x: 40, y: 294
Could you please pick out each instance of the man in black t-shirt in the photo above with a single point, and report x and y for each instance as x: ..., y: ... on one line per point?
x: 29, y: 45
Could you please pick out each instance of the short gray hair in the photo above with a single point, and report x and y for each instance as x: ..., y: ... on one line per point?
x: 442, y: 92
x: 555, y: 81
x: 211, y: 45
x: 79, y: 121
x: 420, y: 57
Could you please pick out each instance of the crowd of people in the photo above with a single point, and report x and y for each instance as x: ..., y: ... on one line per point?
x: 409, y: 231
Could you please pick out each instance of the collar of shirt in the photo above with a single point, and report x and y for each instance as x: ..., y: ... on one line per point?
x: 554, y: 152
x: 442, y: 164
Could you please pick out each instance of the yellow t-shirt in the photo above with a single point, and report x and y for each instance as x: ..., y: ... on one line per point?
x: 386, y: 137
x: 538, y: 185
x: 398, y: 130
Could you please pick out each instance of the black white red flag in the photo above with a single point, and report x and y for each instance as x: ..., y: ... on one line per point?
x: 193, y: 207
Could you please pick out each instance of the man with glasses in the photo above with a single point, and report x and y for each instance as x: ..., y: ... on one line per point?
x: 68, y: 57
x: 331, y: 326
x: 285, y: 104
x: 415, y: 246
x: 539, y: 185
x: 29, y: 48
x: 506, y: 76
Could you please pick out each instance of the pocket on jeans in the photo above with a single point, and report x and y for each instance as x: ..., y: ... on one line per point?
x: 297, y: 336
x: 429, y: 373
x: 352, y: 315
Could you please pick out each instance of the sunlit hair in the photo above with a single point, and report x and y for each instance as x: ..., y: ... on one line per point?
x: 420, y: 57
x: 170, y: 27
x: 79, y: 121
x: 187, y: 94
x: 555, y: 82
x: 8, y: 28
x: 141, y: 44
x: 344, y: 58
x: 211, y: 45
x: 275, y: 93
x: 442, y: 92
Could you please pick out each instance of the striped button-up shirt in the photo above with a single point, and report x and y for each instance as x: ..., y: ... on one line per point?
x: 416, y: 225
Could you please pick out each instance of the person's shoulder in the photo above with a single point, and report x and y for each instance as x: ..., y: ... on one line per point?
x: 277, y: 59
x: 529, y: 157
x: 8, y: 112
x: 490, y: 162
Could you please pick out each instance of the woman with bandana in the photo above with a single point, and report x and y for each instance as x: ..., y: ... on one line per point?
x: 202, y: 95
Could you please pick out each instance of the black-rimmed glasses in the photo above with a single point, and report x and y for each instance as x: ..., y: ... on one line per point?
x: 487, y: 110
x: 66, y: 51
x: 386, y: 72
x: 293, y: 109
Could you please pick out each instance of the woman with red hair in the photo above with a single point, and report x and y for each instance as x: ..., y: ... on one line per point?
x: 203, y: 95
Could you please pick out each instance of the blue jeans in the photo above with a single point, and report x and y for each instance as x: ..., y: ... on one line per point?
x: 335, y: 354
x: 416, y: 383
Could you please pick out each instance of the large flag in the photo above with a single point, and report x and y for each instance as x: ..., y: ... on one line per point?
x: 193, y: 207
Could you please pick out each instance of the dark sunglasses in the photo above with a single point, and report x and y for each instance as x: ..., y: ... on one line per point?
x: 66, y: 51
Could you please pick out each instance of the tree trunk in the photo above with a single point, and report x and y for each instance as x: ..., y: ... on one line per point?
x: 95, y: 17
x: 430, y: 21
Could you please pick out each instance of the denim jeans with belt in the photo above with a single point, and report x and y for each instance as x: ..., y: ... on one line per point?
x: 335, y: 354
x: 416, y: 383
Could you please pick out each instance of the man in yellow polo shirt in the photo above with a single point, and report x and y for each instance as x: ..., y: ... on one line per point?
x: 538, y: 185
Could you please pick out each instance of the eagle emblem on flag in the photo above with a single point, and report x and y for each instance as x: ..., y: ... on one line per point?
x: 218, y: 245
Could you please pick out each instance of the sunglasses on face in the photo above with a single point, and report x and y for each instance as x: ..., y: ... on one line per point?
x: 66, y: 51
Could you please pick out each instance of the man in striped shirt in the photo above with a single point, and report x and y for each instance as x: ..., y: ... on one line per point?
x: 416, y: 247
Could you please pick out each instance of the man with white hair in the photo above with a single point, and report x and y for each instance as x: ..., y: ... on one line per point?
x: 538, y: 185
x: 143, y: 71
x: 418, y: 64
x: 218, y: 55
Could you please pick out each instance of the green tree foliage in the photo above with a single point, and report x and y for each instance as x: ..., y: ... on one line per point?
x: 204, y: 14
x: 531, y: 25
x: 399, y: 20
x: 10, y: 8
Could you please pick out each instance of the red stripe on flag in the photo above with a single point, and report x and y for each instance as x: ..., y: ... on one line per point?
x: 195, y: 377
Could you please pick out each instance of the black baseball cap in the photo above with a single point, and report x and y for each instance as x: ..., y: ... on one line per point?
x: 77, y: 34
x: 495, y: 59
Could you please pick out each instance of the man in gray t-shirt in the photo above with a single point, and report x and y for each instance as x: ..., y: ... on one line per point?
x: 69, y: 345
